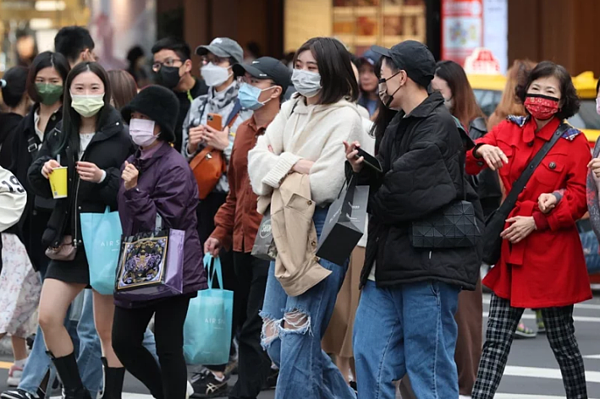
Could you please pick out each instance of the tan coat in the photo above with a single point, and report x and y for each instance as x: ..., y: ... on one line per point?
x: 297, y: 267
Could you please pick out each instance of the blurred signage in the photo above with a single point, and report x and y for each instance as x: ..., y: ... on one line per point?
x: 482, y: 62
x: 462, y: 28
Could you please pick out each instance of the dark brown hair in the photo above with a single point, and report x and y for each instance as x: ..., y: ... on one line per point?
x: 569, y: 98
x: 337, y: 77
x: 123, y: 87
x: 464, y: 106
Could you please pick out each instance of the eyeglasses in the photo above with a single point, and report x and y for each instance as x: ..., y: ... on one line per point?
x: 169, y: 62
x: 206, y: 59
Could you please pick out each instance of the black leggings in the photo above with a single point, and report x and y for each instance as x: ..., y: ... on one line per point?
x: 169, y: 379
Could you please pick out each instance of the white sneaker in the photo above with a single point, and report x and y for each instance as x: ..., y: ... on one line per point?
x: 14, y: 376
x: 189, y: 391
x: 463, y: 397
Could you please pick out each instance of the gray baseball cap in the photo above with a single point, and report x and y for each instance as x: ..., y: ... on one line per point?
x: 223, y: 47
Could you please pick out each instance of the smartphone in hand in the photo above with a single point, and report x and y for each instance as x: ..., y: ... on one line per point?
x: 215, y: 121
x: 369, y: 160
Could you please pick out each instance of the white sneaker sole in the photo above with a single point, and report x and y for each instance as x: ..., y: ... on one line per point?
x: 189, y: 391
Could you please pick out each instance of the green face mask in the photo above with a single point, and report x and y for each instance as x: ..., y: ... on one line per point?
x: 49, y: 93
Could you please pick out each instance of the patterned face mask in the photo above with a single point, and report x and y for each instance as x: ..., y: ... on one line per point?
x: 541, y: 107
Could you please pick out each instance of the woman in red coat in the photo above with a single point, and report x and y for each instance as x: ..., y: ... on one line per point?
x: 542, y: 265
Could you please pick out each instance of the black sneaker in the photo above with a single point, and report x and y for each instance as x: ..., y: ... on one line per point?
x: 18, y: 394
x: 206, y: 385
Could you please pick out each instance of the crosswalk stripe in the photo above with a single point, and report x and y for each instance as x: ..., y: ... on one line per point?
x: 487, y: 300
x: 554, y: 374
x: 519, y: 396
x: 583, y: 319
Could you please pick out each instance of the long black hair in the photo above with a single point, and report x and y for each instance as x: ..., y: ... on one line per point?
x: 71, y: 121
x: 333, y: 60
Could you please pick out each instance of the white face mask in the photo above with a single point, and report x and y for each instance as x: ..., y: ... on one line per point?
x: 142, y: 132
x: 306, y: 83
x: 214, y: 75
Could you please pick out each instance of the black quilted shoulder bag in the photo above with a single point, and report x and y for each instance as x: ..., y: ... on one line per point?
x: 454, y: 226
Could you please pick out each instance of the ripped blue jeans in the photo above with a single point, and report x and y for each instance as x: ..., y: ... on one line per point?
x: 292, y: 331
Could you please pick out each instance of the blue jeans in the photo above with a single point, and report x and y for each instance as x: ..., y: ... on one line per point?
x: 87, y: 348
x: 305, y: 371
x: 407, y: 329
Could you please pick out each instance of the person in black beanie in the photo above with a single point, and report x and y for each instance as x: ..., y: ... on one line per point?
x: 157, y: 180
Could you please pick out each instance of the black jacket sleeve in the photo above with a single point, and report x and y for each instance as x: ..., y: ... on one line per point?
x: 39, y: 184
x: 419, y: 181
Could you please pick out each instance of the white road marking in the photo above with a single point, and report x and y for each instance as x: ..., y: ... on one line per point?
x: 554, y: 374
x: 594, y: 357
x: 589, y: 306
x: 518, y: 396
x: 583, y: 319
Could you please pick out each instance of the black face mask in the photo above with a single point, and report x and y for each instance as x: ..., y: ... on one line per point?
x: 167, y: 77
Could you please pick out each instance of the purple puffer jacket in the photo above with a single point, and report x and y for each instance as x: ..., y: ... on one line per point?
x: 165, y: 185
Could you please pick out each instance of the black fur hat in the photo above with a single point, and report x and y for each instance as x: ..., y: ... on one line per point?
x: 159, y: 104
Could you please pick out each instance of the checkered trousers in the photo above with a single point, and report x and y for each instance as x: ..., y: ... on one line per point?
x: 502, y: 323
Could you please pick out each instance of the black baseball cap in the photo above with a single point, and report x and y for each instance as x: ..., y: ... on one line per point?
x: 266, y: 68
x: 414, y: 58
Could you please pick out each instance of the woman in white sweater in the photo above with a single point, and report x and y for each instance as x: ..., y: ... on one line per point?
x: 307, y: 138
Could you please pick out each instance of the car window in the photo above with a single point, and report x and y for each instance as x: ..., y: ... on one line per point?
x: 587, y: 117
x: 488, y: 100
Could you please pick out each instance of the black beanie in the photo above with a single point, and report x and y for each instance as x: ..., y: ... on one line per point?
x: 159, y: 104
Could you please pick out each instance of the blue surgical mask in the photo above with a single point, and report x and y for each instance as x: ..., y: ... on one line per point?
x: 248, y: 96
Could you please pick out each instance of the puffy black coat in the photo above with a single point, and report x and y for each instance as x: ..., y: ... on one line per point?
x: 488, y: 182
x: 423, y: 157
x: 109, y: 149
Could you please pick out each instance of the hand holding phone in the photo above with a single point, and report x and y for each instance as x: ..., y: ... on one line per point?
x: 369, y: 159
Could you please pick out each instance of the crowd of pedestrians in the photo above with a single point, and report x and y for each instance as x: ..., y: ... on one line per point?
x: 200, y: 171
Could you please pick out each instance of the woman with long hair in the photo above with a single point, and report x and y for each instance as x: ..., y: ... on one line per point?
x: 302, y: 152
x: 451, y: 81
x: 93, y: 144
x: 541, y: 264
x: 509, y: 104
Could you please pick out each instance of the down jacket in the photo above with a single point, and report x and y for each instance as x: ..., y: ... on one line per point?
x: 423, y: 156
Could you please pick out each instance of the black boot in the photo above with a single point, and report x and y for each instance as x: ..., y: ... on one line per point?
x: 67, y: 370
x: 113, y: 381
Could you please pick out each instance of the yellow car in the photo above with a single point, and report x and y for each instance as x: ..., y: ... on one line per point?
x: 488, y: 92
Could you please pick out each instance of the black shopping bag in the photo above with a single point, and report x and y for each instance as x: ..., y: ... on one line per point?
x: 264, y: 245
x: 345, y: 224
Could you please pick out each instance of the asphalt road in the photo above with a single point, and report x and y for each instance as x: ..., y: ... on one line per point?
x: 532, y: 371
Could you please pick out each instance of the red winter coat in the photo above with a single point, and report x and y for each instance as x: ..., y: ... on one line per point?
x: 546, y: 269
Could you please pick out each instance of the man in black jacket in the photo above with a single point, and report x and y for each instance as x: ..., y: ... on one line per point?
x: 405, y: 320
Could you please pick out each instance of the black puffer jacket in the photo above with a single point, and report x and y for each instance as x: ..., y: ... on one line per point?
x: 109, y: 149
x: 423, y: 159
x: 488, y: 182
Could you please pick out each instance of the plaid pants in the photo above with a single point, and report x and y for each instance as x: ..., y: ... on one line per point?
x: 502, y: 323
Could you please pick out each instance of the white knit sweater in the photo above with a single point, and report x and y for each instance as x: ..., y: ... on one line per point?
x: 315, y: 133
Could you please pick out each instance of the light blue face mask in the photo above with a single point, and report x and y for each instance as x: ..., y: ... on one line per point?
x: 248, y: 96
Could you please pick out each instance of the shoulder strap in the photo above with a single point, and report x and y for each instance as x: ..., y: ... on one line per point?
x: 511, y: 199
x: 234, y: 113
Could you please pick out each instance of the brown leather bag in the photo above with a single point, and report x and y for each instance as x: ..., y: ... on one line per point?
x: 65, y: 251
x: 208, y: 167
x: 210, y: 164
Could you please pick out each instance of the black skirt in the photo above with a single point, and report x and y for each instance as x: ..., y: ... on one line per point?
x: 76, y: 271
